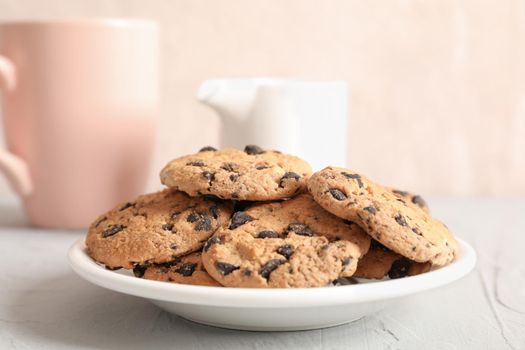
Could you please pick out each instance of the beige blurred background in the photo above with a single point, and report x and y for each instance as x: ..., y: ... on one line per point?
x: 437, y: 87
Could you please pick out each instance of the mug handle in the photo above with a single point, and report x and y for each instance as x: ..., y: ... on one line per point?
x: 14, y: 168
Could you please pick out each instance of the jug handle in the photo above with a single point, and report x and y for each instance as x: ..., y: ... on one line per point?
x: 13, y: 167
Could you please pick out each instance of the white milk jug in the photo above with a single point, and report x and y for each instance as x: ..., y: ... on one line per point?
x: 304, y: 118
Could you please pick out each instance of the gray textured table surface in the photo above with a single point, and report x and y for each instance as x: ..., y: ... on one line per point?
x: 44, y: 305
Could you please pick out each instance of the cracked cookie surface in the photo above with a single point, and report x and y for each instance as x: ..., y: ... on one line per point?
x: 155, y: 228
x: 187, y: 269
x: 253, y: 174
x: 403, y: 227
x: 293, y: 243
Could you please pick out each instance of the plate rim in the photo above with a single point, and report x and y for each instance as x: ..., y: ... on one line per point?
x: 89, y: 270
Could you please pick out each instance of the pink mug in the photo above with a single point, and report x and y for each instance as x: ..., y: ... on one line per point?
x: 79, y: 105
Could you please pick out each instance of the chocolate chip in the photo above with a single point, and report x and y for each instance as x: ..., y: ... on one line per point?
x: 253, y: 149
x: 340, y: 196
x: 289, y: 175
x: 230, y: 167
x: 247, y: 272
x: 112, y: 230
x: 138, y: 270
x: 126, y: 206
x: 186, y: 269
x: 167, y: 227
x: 262, y: 166
x: 300, y: 229
x: 269, y: 267
x: 399, y: 268
x: 238, y: 219
x: 400, y: 219
x: 400, y: 193
x: 204, y: 223
x: 173, y: 247
x: 225, y: 268
x: 234, y: 177
x: 210, y: 242
x: 193, y: 217
x: 344, y: 281
x: 268, y: 234
x: 356, y: 177
x: 208, y: 149
x: 417, y: 231
x: 215, y: 211
x: 196, y: 163
x: 348, y: 222
x: 285, y: 250
x: 419, y: 201
x: 208, y: 176
x: 372, y: 210
x: 347, y: 261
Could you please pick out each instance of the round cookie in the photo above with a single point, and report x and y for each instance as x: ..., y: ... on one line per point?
x: 187, y: 269
x: 294, y: 243
x: 155, y: 228
x: 252, y: 175
x: 404, y: 228
x: 381, y: 261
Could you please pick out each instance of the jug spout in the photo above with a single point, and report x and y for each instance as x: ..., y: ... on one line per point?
x: 230, y: 98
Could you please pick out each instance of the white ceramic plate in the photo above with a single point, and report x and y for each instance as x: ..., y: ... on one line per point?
x: 270, y: 309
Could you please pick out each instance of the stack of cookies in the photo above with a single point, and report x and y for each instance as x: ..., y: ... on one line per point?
x: 260, y: 219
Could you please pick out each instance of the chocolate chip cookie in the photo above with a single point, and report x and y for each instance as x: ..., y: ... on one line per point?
x: 293, y: 243
x: 155, y: 228
x: 381, y: 261
x: 187, y: 269
x: 402, y: 227
x: 253, y: 174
